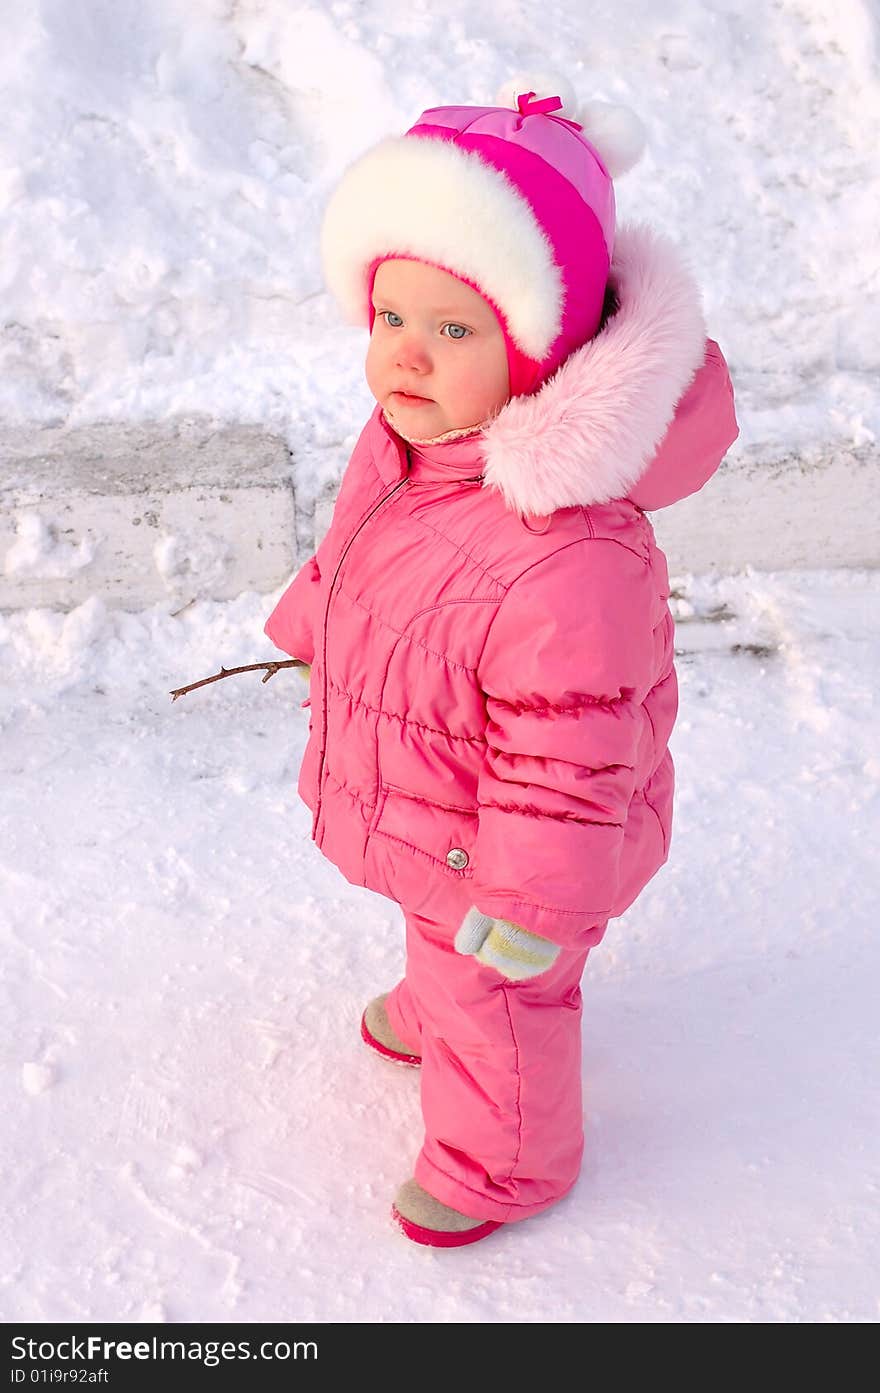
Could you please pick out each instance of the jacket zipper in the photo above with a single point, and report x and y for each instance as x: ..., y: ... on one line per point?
x: 384, y: 499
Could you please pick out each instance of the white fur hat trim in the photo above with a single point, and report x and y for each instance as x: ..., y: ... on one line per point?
x: 428, y: 198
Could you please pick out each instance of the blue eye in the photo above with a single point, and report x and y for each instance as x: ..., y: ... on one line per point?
x: 386, y: 313
x: 463, y: 334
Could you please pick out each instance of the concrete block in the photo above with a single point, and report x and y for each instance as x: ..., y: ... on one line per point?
x: 182, y: 510
x: 805, y: 511
x: 141, y: 514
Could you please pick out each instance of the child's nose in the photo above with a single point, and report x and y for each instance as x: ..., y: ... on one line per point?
x: 412, y: 354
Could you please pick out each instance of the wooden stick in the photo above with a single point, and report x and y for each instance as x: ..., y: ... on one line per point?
x: 271, y: 669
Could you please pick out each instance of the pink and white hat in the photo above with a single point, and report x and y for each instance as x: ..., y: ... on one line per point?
x: 515, y: 199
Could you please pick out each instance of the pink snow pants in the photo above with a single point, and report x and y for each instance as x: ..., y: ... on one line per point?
x: 500, y: 1076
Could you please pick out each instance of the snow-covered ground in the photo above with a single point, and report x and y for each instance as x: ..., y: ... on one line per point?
x: 193, y: 1130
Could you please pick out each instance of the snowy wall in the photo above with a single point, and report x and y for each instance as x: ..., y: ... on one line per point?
x: 163, y: 170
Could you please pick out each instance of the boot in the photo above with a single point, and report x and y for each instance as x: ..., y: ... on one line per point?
x: 377, y: 1033
x: 426, y: 1220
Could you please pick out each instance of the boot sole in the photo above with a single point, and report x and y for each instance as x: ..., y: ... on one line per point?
x: 442, y: 1238
x: 411, y: 1061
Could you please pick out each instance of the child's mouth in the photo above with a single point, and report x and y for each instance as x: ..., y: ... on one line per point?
x: 412, y: 400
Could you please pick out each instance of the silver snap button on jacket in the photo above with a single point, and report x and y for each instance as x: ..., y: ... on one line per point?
x: 457, y: 858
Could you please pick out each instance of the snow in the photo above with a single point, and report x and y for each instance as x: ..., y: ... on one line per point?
x: 193, y: 1130
x: 39, y: 550
x: 199, y: 556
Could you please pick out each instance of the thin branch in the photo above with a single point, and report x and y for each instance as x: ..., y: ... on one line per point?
x: 271, y: 669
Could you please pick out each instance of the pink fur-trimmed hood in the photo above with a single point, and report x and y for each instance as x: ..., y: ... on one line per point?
x: 592, y: 431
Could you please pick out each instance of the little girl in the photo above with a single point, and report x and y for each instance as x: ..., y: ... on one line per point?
x: 492, y: 685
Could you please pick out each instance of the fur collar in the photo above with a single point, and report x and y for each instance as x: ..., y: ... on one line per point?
x: 591, y: 430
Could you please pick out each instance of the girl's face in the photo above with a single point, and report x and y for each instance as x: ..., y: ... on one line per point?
x: 437, y: 359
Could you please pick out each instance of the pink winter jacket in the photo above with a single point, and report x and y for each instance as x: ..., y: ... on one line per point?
x: 492, y: 686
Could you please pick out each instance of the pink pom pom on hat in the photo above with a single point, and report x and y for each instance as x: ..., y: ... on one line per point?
x: 514, y: 199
